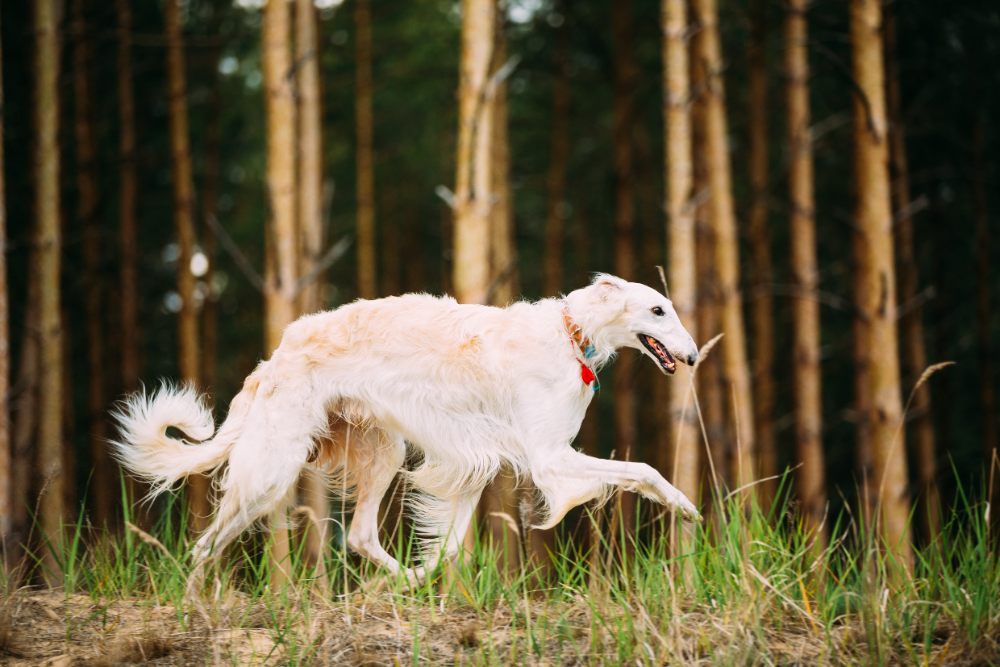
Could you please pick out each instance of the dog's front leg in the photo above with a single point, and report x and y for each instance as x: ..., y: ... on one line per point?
x: 575, y: 478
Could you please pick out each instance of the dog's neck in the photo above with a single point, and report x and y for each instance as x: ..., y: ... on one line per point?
x: 589, y: 345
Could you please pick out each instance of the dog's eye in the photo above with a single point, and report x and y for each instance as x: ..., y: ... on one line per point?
x: 656, y: 310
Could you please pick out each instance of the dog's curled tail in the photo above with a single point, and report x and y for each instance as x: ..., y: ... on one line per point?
x: 144, y: 448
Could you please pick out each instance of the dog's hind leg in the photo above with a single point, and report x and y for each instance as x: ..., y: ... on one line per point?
x: 451, y: 524
x: 372, y: 484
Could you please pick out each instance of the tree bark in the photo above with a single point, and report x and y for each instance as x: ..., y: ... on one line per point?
x: 501, y: 502
x: 806, y: 376
x: 210, y: 211
x: 310, y: 221
x: 281, y: 233
x: 761, y: 274
x: 735, y: 369
x: 877, y: 270
x: 709, y: 380
x: 102, y: 483
x: 681, y: 248
x: 623, y: 118
x: 128, y: 233
x: 49, y: 457
x: 912, y: 339
x: 25, y: 415
x: 6, y: 468
x: 180, y: 154
x: 474, y: 162
x: 367, y: 285
x: 473, y: 197
x: 984, y: 330
x: 559, y: 149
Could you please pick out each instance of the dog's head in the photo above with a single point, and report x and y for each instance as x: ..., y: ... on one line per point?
x: 615, y: 313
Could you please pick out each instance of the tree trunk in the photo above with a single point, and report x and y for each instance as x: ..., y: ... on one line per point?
x: 991, y: 440
x: 559, y: 149
x: 623, y: 118
x: 310, y: 221
x: 128, y: 234
x: 367, y: 286
x: 709, y: 382
x: 761, y: 274
x: 502, y: 499
x: 473, y: 197
x: 914, y: 350
x: 806, y: 376
x: 681, y: 247
x: 874, y: 219
x: 102, y: 483
x: 210, y: 211
x: 128, y: 251
x: 862, y: 389
x: 180, y: 155
x: 6, y: 478
x: 735, y: 370
x: 474, y: 162
x: 50, y: 474
x: 25, y: 415
x: 281, y: 234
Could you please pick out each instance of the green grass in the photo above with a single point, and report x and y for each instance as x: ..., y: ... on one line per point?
x: 748, y: 588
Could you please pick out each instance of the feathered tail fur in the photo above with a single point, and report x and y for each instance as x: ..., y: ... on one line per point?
x: 144, y: 448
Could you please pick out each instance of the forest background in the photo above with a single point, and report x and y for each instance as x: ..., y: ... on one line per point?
x: 577, y: 169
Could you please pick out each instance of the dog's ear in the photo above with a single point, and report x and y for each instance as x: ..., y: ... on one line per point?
x: 607, y: 284
x: 608, y: 281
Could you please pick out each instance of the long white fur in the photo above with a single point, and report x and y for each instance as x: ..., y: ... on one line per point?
x: 471, y: 387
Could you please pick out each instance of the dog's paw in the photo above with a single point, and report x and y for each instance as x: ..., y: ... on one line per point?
x: 680, y: 503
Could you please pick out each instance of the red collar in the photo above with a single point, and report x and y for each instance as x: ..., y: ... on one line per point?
x: 581, y: 345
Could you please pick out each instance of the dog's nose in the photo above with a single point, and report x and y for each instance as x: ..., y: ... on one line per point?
x: 692, y: 359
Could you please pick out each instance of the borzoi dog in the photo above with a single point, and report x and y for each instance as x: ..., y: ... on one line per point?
x: 469, y: 387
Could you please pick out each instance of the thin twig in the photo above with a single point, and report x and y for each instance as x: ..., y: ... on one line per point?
x: 233, y: 250
x: 331, y: 256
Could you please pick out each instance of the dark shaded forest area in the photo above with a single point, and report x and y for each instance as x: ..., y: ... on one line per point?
x: 583, y: 142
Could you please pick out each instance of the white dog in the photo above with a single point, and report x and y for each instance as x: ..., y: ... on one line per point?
x: 470, y: 387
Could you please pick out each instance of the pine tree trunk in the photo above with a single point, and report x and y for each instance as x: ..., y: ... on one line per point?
x: 623, y: 118
x: 128, y: 233
x: 128, y: 251
x: 862, y: 388
x: 474, y: 160
x: 681, y: 248
x: 281, y: 233
x: 473, y: 183
x: 760, y: 272
x: 735, y: 369
x: 806, y: 376
x: 210, y: 211
x: 709, y: 382
x: 914, y: 350
x: 310, y: 221
x: 6, y: 463
x: 102, y: 482
x: 49, y: 457
x: 987, y: 391
x: 25, y: 415
x: 367, y: 285
x: 559, y: 149
x: 874, y: 217
x: 501, y: 501
x: 180, y: 155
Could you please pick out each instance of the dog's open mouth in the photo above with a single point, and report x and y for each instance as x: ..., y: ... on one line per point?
x: 667, y: 362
